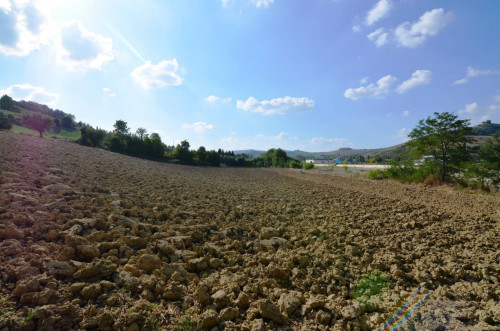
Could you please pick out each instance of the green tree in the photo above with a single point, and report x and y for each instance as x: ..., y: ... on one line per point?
x: 67, y: 122
x: 141, y: 132
x: 38, y: 123
x: 489, y: 154
x: 7, y: 103
x: 120, y: 127
x: 444, y: 137
x: 90, y: 136
x: 182, y: 153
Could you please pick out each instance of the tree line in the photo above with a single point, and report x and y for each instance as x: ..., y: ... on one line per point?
x: 441, y: 150
x: 145, y: 145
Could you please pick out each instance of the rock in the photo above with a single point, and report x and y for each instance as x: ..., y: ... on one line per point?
x: 243, y: 300
x: 269, y: 310
x: 164, y: 247
x: 258, y: 325
x: 12, y: 232
x: 349, y: 312
x: 273, y: 243
x: 203, y: 296
x: 289, y: 303
x: 323, y: 317
x: 58, y: 204
x: 100, y: 268
x: 148, y: 262
x: 220, y: 298
x: 268, y: 233
x: 120, y: 220
x: 88, y: 251
x: 277, y: 272
x: 197, y: 265
x: 91, y: 291
x: 173, y: 292
x: 59, y: 268
x: 134, y: 242
x: 209, y: 318
x: 228, y: 314
x: 30, y: 284
x: 49, y: 179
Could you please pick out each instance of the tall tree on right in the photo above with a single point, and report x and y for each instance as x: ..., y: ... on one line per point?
x: 490, y: 158
x: 445, y: 138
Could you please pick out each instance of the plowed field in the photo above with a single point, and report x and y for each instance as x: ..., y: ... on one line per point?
x: 96, y: 240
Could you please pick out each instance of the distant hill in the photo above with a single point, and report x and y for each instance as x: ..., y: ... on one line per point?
x: 486, y: 128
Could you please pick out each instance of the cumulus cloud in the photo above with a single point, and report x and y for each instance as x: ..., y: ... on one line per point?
x: 281, y: 106
x: 379, y: 37
x: 429, y: 24
x: 379, y: 90
x: 419, y: 77
x: 405, y: 113
x: 79, y: 48
x: 31, y: 93
x: 198, y: 126
x: 152, y: 76
x: 213, y: 99
x: 471, y: 73
x: 479, y: 114
x: 261, y: 3
x: 379, y: 11
x: 24, y: 27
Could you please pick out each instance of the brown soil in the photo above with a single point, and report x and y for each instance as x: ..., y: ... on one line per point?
x: 95, y: 240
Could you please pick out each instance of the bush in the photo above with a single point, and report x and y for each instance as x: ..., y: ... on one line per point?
x: 307, y: 166
x: 5, y: 122
x: 295, y: 164
x: 376, y: 174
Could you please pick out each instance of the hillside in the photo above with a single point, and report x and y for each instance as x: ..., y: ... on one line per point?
x: 97, y: 240
x: 63, y: 124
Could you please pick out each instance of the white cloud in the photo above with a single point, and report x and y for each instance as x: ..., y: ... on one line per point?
x: 213, y: 99
x: 78, y: 48
x: 356, y: 28
x: 261, y: 3
x: 497, y: 98
x: 379, y: 11
x: 379, y: 37
x: 24, y: 27
x: 402, y: 135
x: 419, y: 77
x: 108, y: 92
x: 471, y: 73
x: 429, y: 24
x: 364, y: 80
x: 152, y: 76
x: 282, y: 106
x: 199, y: 126
x: 379, y: 90
x: 405, y: 113
x: 31, y: 93
x: 224, y: 3
x: 479, y: 114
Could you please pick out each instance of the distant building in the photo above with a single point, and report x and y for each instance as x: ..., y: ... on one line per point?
x: 309, y: 161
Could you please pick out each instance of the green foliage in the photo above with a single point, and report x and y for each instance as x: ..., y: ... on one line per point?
x: 376, y: 174
x: 307, y: 166
x: 120, y: 127
x: 5, y: 122
x: 7, y: 103
x: 370, y: 285
x: 38, y: 123
x: 7, y: 308
x: 444, y: 137
x: 91, y: 137
x: 183, y: 154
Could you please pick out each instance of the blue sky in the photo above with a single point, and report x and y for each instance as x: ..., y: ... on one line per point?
x: 313, y: 75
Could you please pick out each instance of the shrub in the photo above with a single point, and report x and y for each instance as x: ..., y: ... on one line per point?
x: 307, y: 166
x: 5, y: 122
x: 376, y: 174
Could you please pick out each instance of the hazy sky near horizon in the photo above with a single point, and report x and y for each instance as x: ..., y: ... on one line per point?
x: 314, y: 75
